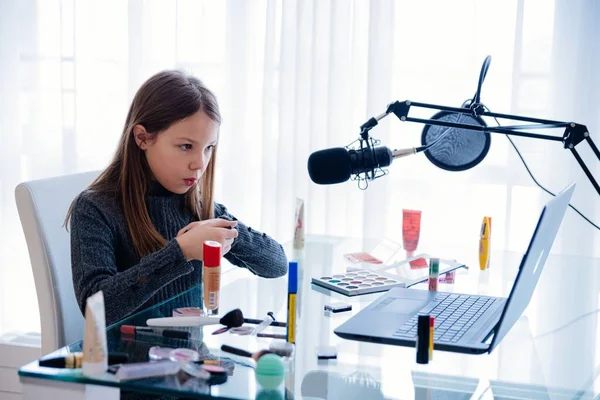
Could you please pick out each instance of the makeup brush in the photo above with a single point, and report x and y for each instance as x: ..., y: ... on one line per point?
x: 261, y: 325
x: 244, y: 353
x: 259, y: 321
x: 232, y: 319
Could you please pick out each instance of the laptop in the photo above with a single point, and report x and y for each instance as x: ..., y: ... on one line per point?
x: 463, y: 323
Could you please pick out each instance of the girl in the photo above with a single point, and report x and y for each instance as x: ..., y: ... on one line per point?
x: 137, y: 231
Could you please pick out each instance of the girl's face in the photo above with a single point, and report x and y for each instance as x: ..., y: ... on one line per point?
x: 179, y: 155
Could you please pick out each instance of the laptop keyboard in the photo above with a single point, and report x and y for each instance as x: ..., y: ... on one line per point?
x: 453, y: 315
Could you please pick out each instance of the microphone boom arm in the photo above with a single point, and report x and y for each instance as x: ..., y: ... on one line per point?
x: 573, y: 134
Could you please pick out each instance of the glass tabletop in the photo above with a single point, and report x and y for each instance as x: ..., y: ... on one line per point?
x: 545, y: 353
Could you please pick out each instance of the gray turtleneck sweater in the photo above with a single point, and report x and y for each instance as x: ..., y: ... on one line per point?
x: 103, y: 256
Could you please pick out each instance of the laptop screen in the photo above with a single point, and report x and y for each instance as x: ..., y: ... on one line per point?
x: 533, y: 262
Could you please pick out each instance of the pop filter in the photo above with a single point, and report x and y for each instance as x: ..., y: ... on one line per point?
x: 458, y: 149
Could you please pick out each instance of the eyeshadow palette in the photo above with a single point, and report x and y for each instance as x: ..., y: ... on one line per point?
x: 359, y: 282
x: 356, y: 281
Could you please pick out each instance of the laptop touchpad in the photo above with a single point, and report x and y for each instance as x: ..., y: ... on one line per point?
x: 404, y: 306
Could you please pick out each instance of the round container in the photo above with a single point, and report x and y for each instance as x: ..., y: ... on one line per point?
x: 214, y: 369
x: 184, y: 356
x: 270, y: 371
x: 159, y: 353
x: 218, y: 374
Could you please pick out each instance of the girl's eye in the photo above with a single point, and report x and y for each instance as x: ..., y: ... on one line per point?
x: 210, y: 148
x: 185, y: 147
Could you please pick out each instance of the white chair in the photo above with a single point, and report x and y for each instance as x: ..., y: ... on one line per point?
x: 42, y: 206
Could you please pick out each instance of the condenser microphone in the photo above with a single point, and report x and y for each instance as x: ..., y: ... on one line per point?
x: 338, y: 164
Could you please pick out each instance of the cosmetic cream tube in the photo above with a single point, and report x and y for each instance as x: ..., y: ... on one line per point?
x: 411, y: 228
x: 182, y: 321
x: 95, y: 348
x: 299, y: 225
x: 298, y: 247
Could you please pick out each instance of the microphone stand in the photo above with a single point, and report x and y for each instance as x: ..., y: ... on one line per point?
x: 573, y: 134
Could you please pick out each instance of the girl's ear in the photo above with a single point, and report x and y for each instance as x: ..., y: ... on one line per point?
x: 141, y: 137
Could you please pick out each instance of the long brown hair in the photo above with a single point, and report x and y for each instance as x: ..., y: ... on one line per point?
x: 162, y: 100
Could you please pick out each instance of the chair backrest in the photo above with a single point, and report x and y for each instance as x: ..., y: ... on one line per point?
x: 43, y: 206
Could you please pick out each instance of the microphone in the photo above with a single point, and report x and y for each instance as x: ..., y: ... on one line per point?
x: 338, y: 164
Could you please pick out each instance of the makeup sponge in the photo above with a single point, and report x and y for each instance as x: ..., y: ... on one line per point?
x: 270, y: 371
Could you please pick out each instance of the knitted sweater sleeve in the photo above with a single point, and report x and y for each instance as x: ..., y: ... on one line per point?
x: 254, y: 250
x: 94, y: 266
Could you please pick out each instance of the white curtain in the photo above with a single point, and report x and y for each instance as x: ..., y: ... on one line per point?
x: 293, y: 77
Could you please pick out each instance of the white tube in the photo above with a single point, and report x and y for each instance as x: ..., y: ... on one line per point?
x: 298, y: 248
x: 299, y: 225
x: 183, y: 321
x: 95, y: 348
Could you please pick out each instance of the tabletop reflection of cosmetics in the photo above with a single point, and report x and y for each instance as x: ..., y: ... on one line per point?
x: 270, y: 394
x: 208, y: 361
x: 167, y: 361
x: 189, y: 383
x: 74, y: 360
x: 320, y: 384
x: 270, y: 369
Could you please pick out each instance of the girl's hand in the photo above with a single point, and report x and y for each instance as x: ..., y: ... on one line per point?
x: 191, y: 238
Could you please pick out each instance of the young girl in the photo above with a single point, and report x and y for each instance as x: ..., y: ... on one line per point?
x: 137, y: 231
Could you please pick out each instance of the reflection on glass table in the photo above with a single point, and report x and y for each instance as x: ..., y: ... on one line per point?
x: 540, y: 356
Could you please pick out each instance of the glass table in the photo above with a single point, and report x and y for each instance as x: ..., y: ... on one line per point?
x: 553, y: 351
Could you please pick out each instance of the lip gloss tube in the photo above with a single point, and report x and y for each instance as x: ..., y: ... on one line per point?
x: 211, y: 276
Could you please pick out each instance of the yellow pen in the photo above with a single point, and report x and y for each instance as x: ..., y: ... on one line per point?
x: 291, y: 311
x: 484, y: 243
